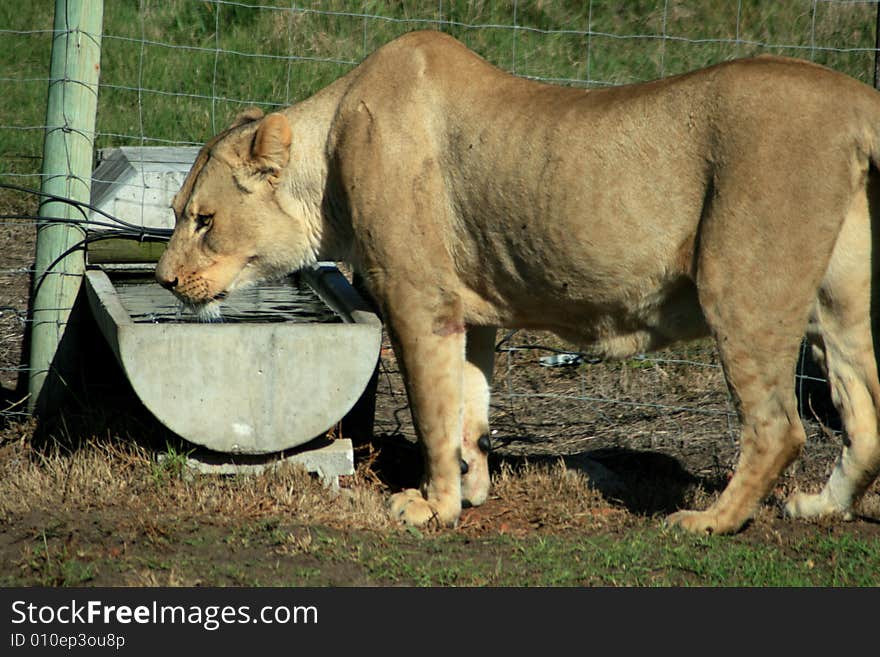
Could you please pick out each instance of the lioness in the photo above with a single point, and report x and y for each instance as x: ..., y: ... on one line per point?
x: 734, y: 201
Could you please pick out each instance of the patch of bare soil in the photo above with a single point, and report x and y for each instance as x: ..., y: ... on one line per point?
x: 16, y: 261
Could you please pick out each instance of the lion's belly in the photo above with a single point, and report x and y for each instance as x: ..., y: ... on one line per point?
x: 612, y: 282
x: 668, y: 314
x: 606, y: 311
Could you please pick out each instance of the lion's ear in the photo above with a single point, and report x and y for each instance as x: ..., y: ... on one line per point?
x: 247, y: 116
x: 270, y: 151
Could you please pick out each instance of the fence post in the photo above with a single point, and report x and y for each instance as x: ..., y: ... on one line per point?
x: 67, y: 168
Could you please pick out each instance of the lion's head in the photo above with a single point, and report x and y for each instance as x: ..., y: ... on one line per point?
x: 236, y: 221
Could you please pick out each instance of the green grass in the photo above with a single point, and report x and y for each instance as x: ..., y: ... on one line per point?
x: 178, y: 70
x: 640, y: 558
x: 171, y: 463
x: 55, y: 566
x: 645, y: 557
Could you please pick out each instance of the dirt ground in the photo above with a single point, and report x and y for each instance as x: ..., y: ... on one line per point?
x: 644, y: 437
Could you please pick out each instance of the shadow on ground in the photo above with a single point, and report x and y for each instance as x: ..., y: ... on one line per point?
x: 644, y: 483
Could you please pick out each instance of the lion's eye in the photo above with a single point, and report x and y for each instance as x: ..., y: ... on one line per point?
x: 204, y: 221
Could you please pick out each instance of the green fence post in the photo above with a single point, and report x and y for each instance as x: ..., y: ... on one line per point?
x: 67, y: 168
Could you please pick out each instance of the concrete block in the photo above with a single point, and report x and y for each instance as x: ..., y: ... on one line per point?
x: 137, y: 183
x: 328, y: 459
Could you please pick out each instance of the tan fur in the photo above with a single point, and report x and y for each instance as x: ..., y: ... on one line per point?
x: 734, y: 201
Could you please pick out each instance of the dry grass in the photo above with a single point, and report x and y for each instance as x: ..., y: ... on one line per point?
x: 541, y: 496
x: 125, y: 476
x: 109, y: 475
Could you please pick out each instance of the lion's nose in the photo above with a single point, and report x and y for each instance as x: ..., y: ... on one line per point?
x: 168, y: 284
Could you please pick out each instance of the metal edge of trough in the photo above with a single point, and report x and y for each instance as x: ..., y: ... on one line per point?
x: 335, y: 290
x: 275, y: 391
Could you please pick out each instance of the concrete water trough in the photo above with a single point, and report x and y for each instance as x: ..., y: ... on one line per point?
x: 242, y: 386
x: 286, y: 364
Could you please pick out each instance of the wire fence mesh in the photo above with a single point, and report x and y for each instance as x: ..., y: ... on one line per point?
x: 174, y: 72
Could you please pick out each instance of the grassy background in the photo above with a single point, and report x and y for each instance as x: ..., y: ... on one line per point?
x: 177, y: 70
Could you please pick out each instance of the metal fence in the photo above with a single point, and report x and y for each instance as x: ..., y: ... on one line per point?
x: 174, y: 72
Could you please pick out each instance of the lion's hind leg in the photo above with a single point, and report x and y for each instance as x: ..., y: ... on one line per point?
x: 846, y: 343
x: 475, y: 441
x: 761, y: 382
x: 757, y: 322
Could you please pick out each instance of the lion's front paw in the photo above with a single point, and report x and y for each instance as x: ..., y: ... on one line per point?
x: 803, y: 505
x: 411, y: 508
x: 696, y: 522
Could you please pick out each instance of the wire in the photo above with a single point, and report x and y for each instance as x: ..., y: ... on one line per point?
x: 124, y: 234
x: 147, y: 231
x: 79, y: 205
x: 127, y: 230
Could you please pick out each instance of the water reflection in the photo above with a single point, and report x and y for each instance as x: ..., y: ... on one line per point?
x: 283, y: 301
